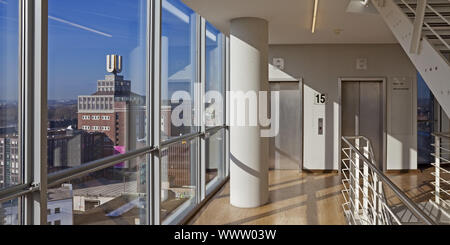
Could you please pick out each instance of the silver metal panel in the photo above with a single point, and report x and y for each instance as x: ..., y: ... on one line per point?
x: 350, y: 108
x: 285, y: 150
x: 371, y: 115
x: 362, y: 113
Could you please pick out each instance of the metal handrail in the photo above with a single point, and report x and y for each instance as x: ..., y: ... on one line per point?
x: 12, y: 192
x: 208, y: 131
x: 59, y: 177
x: 416, y: 210
x: 73, y: 173
x: 94, y: 166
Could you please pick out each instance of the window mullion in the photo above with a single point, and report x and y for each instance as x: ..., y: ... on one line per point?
x: 227, y: 106
x: 202, y: 79
x: 34, y: 54
x: 154, y: 37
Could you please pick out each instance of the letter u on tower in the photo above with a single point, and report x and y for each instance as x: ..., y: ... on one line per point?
x: 113, y: 63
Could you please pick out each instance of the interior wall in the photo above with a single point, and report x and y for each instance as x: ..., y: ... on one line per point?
x: 321, y: 66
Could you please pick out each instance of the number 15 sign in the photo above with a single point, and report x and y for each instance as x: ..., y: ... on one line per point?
x: 320, y: 99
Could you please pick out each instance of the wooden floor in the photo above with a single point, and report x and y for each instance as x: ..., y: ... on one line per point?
x: 417, y: 185
x: 303, y: 199
x: 295, y: 199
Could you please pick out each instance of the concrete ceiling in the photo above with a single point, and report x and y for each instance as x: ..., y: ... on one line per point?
x: 290, y: 20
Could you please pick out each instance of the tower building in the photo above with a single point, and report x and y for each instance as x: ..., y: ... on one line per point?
x: 113, y: 109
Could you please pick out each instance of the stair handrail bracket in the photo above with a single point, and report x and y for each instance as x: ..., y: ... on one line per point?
x: 365, y: 201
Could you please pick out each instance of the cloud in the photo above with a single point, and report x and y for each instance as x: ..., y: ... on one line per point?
x: 4, y: 2
x: 79, y: 26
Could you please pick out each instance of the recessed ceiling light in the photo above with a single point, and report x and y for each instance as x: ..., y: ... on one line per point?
x: 316, y: 6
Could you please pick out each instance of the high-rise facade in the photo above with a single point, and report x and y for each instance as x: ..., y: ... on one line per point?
x: 9, y: 162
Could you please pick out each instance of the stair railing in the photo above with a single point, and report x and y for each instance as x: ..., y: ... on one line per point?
x: 365, y: 201
x: 441, y: 174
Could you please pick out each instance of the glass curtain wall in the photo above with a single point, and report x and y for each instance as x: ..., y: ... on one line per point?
x: 425, y: 122
x: 179, y: 95
x: 100, y: 97
x: 215, y: 155
x: 215, y: 70
x: 214, y: 104
x: 96, y: 104
x: 178, y: 69
x: 178, y: 178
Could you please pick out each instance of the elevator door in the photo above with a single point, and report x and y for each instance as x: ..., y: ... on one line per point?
x: 362, y: 113
x: 285, y: 149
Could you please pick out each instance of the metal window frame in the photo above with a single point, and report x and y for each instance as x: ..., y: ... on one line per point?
x: 33, y: 108
x: 201, y: 35
x: 227, y: 106
x: 222, y: 43
x: 199, y: 132
x: 154, y: 169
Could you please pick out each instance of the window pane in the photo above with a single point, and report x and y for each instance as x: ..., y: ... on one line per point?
x: 178, y: 73
x: 214, y: 77
x: 97, y: 85
x: 10, y: 167
x: 178, y: 177
x: 112, y: 196
x: 425, y: 122
x: 9, y: 212
x: 215, y: 161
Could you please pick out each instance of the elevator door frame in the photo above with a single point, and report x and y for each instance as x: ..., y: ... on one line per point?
x: 384, y: 107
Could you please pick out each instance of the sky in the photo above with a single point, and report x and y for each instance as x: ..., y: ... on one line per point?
x: 83, y: 32
x: 8, y: 50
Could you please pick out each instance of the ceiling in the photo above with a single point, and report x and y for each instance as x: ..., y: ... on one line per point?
x: 290, y: 20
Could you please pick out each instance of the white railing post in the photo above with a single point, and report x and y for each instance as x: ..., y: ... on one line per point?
x: 351, y: 182
x: 375, y: 198
x: 380, y: 203
x: 357, y: 181
x: 437, y: 154
x: 366, y: 182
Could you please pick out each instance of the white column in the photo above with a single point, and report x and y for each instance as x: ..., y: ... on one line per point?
x: 248, y: 151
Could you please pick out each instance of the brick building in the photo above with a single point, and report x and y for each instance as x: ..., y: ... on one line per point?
x: 114, y: 110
